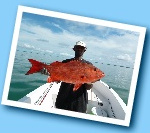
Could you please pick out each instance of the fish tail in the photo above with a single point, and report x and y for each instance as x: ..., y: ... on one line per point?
x: 36, y: 66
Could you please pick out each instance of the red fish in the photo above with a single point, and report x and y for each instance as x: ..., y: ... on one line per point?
x: 74, y: 72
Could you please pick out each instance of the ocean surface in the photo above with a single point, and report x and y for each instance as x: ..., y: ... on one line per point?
x: 118, y: 73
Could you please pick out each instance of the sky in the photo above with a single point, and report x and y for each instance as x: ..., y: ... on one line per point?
x: 55, y: 35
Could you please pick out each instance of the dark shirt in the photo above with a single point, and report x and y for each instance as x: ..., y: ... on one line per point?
x: 72, y: 100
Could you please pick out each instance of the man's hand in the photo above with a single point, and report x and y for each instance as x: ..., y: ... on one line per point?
x: 57, y: 82
x: 90, y: 85
x: 45, y: 72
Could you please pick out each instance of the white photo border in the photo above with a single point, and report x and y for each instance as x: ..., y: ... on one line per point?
x: 141, y: 30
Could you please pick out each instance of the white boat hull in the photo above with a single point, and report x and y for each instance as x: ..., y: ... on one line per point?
x: 102, y: 100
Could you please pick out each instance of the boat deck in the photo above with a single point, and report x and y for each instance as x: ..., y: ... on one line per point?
x: 102, y: 101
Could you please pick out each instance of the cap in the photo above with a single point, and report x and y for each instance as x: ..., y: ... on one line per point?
x: 80, y: 43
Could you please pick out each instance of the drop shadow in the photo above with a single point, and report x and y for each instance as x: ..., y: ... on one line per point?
x: 138, y: 93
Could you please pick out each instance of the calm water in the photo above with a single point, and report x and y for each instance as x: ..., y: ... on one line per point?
x: 118, y: 74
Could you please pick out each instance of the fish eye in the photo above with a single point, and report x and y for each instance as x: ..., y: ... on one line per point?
x: 82, y: 77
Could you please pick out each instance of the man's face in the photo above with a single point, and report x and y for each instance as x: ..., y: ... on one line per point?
x: 79, y: 50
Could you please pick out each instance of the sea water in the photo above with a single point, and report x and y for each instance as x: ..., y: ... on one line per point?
x: 118, y: 74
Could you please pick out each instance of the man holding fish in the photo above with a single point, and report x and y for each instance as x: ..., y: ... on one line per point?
x: 74, y: 100
x: 77, y: 76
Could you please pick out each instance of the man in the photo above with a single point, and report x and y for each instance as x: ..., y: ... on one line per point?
x: 67, y: 98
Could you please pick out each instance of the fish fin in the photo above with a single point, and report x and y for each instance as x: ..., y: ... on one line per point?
x: 36, y: 66
x: 76, y: 87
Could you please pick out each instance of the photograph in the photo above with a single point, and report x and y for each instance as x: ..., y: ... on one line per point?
x: 73, y: 65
